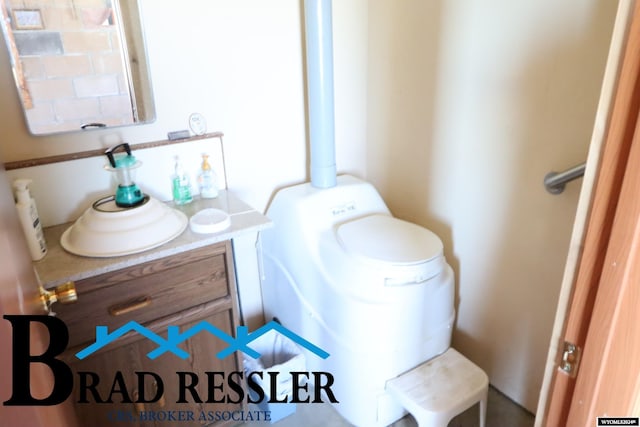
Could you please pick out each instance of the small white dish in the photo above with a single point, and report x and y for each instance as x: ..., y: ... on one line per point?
x: 209, y: 221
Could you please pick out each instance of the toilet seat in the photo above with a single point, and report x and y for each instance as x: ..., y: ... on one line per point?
x: 393, y: 243
x: 383, y: 238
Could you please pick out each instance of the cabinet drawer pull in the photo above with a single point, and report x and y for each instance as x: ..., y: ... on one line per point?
x: 129, y: 306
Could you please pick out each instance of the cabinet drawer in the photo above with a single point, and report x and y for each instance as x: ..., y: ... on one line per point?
x: 147, y: 291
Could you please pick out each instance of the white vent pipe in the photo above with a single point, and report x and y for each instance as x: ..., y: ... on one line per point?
x: 319, y: 44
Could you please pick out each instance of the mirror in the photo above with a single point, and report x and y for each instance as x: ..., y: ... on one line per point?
x: 78, y: 64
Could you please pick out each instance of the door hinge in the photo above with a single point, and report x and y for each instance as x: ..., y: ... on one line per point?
x: 570, y: 359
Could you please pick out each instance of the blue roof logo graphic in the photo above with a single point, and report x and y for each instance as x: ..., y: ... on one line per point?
x: 175, y: 337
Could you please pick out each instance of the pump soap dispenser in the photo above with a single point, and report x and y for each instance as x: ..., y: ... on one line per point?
x: 29, y: 219
x: 181, y: 186
x: 207, y: 180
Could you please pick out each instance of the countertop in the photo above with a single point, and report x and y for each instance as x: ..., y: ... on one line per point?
x: 60, y: 266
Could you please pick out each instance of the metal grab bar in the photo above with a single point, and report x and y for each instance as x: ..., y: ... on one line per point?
x: 555, y: 182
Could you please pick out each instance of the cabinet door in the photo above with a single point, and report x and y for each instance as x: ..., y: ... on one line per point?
x: 210, y: 400
x: 206, y: 402
x: 100, y: 371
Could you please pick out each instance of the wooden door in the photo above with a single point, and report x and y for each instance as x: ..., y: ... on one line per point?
x: 610, y: 368
x: 19, y: 295
x: 601, y: 317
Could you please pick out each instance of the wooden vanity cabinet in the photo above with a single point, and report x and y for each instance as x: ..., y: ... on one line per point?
x: 180, y: 290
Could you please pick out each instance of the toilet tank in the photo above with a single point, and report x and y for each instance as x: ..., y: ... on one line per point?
x: 304, y: 208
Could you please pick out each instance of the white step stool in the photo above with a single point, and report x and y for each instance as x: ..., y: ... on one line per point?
x: 441, y: 388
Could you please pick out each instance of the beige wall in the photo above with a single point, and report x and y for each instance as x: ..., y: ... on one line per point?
x: 471, y: 103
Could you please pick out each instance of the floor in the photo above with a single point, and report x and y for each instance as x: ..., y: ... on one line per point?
x: 501, y: 412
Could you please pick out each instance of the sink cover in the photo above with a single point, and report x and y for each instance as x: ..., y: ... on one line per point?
x: 105, y: 230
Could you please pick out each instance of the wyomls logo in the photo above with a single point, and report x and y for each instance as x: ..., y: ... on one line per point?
x: 86, y: 381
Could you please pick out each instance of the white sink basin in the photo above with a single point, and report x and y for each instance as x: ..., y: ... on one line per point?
x: 105, y: 230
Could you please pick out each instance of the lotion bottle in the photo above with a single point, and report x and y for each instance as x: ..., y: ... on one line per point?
x: 29, y: 219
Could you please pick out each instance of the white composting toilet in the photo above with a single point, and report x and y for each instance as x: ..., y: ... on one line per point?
x: 372, y: 290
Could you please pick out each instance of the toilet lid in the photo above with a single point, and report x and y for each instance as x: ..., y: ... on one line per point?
x: 384, y: 238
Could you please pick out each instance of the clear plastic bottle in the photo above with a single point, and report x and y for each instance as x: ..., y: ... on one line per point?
x: 29, y: 219
x: 181, y: 185
x: 207, y: 179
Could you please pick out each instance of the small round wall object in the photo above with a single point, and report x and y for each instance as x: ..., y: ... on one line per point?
x: 198, y: 124
x: 209, y: 220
